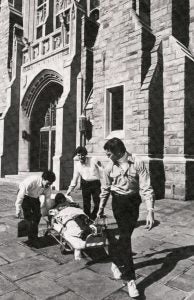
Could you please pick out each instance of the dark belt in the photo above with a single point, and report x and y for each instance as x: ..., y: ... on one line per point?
x: 129, y: 196
x: 89, y: 181
x: 32, y: 198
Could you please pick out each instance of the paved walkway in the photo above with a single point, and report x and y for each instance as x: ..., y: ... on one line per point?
x: 164, y: 259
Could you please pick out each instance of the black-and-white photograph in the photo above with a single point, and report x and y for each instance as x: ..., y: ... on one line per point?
x: 96, y: 149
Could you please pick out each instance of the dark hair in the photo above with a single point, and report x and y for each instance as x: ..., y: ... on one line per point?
x: 81, y: 150
x: 60, y: 198
x: 49, y: 175
x: 115, y: 145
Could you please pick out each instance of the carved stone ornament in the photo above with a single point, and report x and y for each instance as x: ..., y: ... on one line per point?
x: 24, y: 81
x: 41, y: 81
x: 62, y: 4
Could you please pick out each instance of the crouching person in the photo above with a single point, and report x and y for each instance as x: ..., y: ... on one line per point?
x: 28, y: 200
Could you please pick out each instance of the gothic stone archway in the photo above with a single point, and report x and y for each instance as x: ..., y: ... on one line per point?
x: 39, y: 105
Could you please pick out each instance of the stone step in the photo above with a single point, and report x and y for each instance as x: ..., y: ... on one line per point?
x: 17, y: 178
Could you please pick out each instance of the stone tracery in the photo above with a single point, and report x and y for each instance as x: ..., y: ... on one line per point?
x: 37, y: 85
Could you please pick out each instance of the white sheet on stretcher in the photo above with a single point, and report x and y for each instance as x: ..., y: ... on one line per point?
x: 70, y: 233
x: 70, y: 230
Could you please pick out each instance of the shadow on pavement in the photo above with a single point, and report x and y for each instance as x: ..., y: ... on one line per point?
x: 96, y: 255
x: 168, y: 264
x: 43, y: 242
x: 143, y: 223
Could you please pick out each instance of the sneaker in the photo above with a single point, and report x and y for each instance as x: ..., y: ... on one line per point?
x: 132, y: 289
x: 77, y: 254
x: 116, y: 272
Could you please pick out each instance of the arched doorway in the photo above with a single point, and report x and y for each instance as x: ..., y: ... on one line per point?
x: 43, y: 127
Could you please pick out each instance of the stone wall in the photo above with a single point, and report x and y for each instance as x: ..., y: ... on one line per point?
x: 117, y: 61
x: 4, y: 42
x: 158, y: 93
x: 161, y: 18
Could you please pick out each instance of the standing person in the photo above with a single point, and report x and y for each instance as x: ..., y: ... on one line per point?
x: 28, y: 200
x: 127, y: 180
x: 88, y: 169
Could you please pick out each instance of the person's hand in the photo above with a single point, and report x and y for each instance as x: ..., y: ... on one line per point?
x: 68, y: 197
x: 19, y: 214
x: 100, y: 212
x: 150, y: 220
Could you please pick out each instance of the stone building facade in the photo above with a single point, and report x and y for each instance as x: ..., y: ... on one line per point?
x: 84, y: 71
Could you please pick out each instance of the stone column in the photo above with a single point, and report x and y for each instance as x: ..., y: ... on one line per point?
x: 174, y: 110
x: 58, y: 159
x: 24, y: 144
x: 79, y: 105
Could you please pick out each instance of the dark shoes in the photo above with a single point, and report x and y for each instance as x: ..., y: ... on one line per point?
x: 35, y: 243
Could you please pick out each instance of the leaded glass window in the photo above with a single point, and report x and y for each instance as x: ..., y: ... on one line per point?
x: 41, y: 17
x: 62, y: 11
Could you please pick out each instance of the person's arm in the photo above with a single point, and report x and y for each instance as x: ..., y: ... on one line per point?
x: 146, y: 192
x: 48, y: 202
x: 99, y: 167
x: 105, y: 191
x: 19, y: 200
x: 74, y: 181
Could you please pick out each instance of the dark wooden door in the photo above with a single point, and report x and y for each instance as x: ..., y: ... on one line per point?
x: 52, y: 146
x: 44, y: 150
x: 47, y: 139
x: 47, y: 148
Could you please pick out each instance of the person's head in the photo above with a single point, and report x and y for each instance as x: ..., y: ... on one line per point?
x: 48, y: 177
x: 60, y: 199
x: 81, y: 153
x: 114, y: 148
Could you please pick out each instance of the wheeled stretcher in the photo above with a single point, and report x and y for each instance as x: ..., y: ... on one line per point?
x: 68, y: 234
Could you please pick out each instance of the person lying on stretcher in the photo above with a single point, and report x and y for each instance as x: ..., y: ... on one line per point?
x: 68, y: 219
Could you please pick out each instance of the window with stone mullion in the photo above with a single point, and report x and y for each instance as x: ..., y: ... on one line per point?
x: 42, y: 9
x: 62, y: 10
x: 41, y: 13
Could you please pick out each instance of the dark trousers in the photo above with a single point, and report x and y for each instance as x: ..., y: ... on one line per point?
x: 32, y: 214
x: 126, y: 212
x: 91, y: 189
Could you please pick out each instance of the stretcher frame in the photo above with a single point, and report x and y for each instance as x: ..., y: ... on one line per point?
x: 93, y: 240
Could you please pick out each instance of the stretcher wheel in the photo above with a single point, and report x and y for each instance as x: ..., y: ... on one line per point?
x: 65, y: 248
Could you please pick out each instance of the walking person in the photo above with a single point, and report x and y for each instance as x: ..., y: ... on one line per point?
x: 28, y: 200
x: 89, y: 170
x: 127, y: 180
